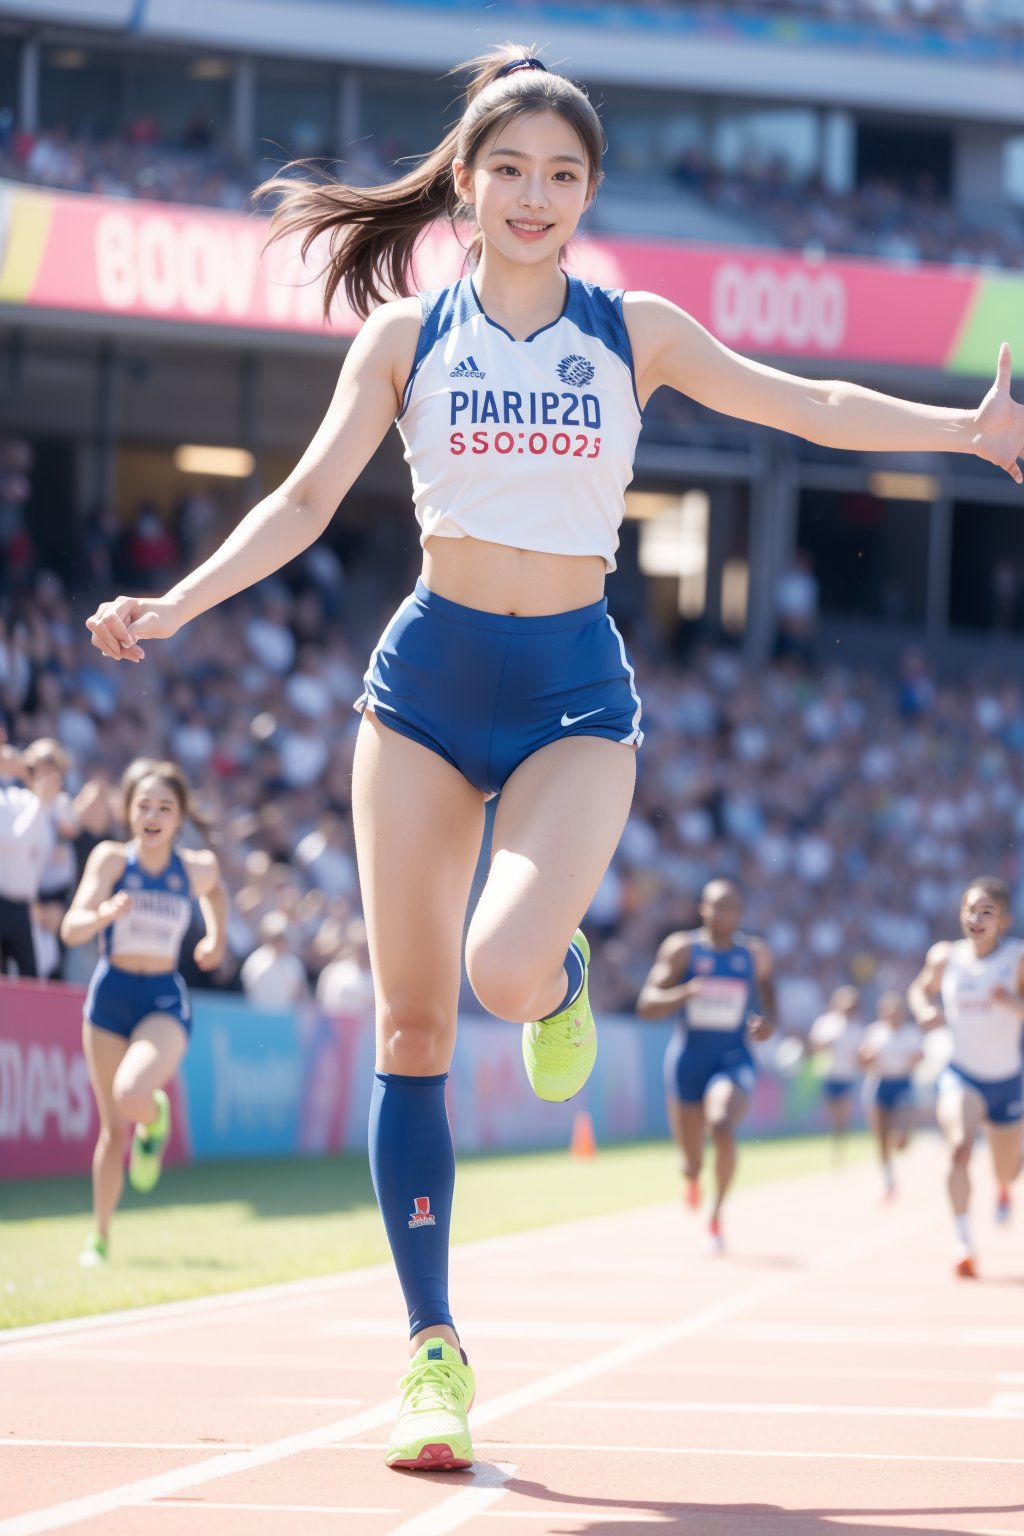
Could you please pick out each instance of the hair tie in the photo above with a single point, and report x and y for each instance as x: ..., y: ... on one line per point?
x: 508, y: 69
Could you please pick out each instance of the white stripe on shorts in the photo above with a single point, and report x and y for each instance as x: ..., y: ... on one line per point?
x: 636, y: 735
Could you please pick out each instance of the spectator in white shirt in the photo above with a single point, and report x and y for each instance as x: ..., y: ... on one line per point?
x: 29, y: 827
x: 273, y: 976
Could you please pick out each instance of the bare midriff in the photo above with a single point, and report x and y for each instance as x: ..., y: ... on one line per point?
x: 498, y: 578
x: 142, y: 965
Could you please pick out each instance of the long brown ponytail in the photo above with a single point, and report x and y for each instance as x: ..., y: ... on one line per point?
x: 373, y: 231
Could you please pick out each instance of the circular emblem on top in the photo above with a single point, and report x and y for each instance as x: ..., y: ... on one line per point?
x: 575, y: 369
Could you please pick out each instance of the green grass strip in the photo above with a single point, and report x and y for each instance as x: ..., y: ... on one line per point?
x: 212, y: 1227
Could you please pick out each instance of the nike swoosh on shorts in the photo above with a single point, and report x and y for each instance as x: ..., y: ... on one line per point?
x: 572, y: 719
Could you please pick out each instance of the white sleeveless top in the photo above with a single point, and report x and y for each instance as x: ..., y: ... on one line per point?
x: 528, y: 443
x: 986, y: 1036
x: 158, y: 919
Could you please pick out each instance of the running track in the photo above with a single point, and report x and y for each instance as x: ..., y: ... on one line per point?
x: 827, y: 1377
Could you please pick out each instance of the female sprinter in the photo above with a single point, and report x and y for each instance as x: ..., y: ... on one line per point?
x: 889, y: 1052
x: 722, y: 986
x: 138, y: 897
x: 518, y: 391
x: 975, y: 985
x: 834, y: 1039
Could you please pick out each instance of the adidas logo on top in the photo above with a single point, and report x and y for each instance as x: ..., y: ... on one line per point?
x: 467, y: 369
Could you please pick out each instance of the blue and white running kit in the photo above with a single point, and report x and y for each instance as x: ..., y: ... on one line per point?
x: 711, y: 1038
x: 155, y: 926
x: 988, y: 1037
x: 530, y: 444
x: 888, y: 1083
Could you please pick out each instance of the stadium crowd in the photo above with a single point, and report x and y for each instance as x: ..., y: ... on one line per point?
x: 879, y: 218
x: 850, y: 807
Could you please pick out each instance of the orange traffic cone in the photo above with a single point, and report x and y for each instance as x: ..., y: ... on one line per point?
x: 583, y: 1143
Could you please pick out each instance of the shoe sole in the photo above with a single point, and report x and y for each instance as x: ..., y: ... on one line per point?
x: 965, y: 1270
x: 432, y: 1458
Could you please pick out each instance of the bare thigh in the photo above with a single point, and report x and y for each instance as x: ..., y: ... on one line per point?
x: 418, y: 828
x: 960, y: 1111
x: 557, y: 825
x: 686, y: 1122
x: 154, y: 1054
x: 725, y: 1104
x: 1005, y: 1143
x: 104, y: 1053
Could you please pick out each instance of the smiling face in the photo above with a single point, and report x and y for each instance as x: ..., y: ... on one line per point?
x: 154, y: 814
x: 983, y: 919
x: 530, y: 185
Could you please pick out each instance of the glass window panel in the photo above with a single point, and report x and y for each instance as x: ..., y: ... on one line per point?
x: 80, y: 91
x: 295, y: 113
x: 752, y: 141
x: 870, y: 555
x: 405, y: 114
x: 182, y: 100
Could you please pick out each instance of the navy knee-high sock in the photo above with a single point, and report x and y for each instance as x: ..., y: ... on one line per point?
x: 413, y: 1166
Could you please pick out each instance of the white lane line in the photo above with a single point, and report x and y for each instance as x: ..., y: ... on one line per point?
x: 199, y: 1505
x: 488, y: 1485
x: 73, y: 1511
x: 213, y: 1446
x: 493, y: 1328
x: 310, y: 1402
x: 994, y: 1410
x: 855, y: 1334
x: 703, y: 1450
x: 750, y: 1298
x: 591, y: 1516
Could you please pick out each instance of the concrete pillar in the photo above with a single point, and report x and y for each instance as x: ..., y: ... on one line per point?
x: 838, y: 150
x: 28, y: 86
x: 243, y: 109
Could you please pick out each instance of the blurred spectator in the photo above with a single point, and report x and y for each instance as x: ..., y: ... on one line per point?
x: 345, y: 986
x: 17, y: 552
x: 796, y: 610
x: 273, y: 976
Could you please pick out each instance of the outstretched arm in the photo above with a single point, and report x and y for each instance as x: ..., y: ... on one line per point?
x: 671, y: 348
x: 366, y: 401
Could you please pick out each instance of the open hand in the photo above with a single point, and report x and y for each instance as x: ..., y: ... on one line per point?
x: 208, y: 953
x: 999, y: 422
x: 118, y: 627
x: 114, y: 907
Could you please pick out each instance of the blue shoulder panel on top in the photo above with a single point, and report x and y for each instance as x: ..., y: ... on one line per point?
x: 598, y: 312
x: 441, y: 311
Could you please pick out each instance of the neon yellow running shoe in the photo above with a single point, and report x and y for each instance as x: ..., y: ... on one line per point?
x: 432, y: 1433
x: 94, y: 1253
x: 148, y: 1145
x: 560, y: 1052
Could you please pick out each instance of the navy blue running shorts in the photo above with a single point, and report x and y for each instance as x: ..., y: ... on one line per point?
x: 118, y: 1001
x: 485, y: 690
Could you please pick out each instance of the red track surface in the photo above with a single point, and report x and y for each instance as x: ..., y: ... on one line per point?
x: 828, y: 1376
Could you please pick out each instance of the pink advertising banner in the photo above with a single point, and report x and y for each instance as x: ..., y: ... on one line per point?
x: 48, y: 1120
x: 102, y: 256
